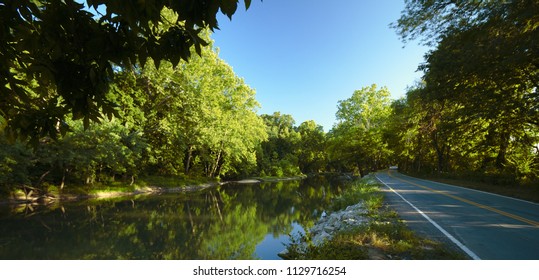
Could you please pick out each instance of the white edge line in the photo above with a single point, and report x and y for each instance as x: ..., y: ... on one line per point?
x: 470, y: 189
x: 442, y: 230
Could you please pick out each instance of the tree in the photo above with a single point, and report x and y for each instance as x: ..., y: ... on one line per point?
x: 312, y: 148
x: 15, y: 165
x: 358, y: 136
x: 278, y: 155
x: 199, y: 117
x: 57, y: 58
x: 432, y: 20
x: 195, y: 119
x: 483, y: 78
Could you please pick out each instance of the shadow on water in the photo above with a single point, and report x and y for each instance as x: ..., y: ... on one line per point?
x: 226, y: 222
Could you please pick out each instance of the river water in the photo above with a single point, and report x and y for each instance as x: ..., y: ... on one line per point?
x: 233, y: 221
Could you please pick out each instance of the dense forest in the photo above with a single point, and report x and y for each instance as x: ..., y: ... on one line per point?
x: 476, y: 112
x: 85, y: 118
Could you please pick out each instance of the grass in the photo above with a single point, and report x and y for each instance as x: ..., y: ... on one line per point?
x: 384, y: 236
x: 364, y: 191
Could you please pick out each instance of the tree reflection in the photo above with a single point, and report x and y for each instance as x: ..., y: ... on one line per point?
x: 221, y: 223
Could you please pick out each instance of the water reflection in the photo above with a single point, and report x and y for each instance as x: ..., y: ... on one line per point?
x: 227, y: 222
x: 272, y: 244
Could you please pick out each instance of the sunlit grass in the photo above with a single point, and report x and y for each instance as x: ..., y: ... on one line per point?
x: 360, y: 191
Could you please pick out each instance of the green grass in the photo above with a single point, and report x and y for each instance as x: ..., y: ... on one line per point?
x: 363, y: 191
x: 385, y: 236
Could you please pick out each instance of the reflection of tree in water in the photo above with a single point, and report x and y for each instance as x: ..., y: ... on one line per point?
x: 222, y: 223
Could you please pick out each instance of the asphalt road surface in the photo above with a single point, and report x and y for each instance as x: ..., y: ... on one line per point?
x: 482, y: 225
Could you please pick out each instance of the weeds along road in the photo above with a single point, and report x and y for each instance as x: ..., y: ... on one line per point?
x: 483, y: 225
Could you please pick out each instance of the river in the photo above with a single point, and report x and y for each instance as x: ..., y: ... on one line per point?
x: 233, y: 221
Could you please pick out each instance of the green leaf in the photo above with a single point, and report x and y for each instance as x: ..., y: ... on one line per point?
x: 228, y: 7
x: 175, y: 59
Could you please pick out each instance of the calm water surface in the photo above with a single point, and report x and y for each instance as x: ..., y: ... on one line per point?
x: 227, y: 222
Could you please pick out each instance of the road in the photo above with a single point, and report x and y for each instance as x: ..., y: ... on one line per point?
x: 482, y: 225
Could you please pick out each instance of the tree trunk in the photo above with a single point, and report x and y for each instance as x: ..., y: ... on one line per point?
x: 193, y: 226
x: 215, y: 166
x: 214, y: 199
x: 62, y: 184
x: 501, y: 159
x: 187, y: 159
x: 40, y: 181
x: 440, y: 152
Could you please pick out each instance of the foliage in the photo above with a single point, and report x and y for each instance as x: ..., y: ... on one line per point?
x: 339, y: 248
x: 361, y: 191
x: 477, y: 109
x: 291, y: 150
x: 432, y: 20
x: 357, y: 141
x: 475, y: 113
x: 201, y: 117
x: 312, y: 155
x: 277, y: 156
x: 58, y: 58
x: 15, y: 161
x: 195, y: 119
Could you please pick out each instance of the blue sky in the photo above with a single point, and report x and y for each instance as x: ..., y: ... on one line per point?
x: 302, y: 56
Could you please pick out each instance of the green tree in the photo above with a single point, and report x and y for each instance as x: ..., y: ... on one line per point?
x: 15, y: 165
x: 278, y: 155
x: 71, y: 54
x: 440, y: 135
x: 199, y: 117
x: 481, y: 80
x: 195, y: 119
x: 312, y: 148
x: 358, y: 137
x: 432, y: 20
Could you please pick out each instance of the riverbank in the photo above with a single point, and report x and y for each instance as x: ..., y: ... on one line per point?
x: 150, y: 185
x: 359, y: 225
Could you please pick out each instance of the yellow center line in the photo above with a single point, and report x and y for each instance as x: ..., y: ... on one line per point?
x: 524, y: 220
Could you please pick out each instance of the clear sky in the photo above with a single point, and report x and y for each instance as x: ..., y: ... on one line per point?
x: 302, y: 56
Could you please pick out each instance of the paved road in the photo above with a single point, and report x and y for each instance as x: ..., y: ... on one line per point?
x: 483, y: 225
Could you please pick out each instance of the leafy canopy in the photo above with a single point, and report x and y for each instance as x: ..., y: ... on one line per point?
x: 57, y: 58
